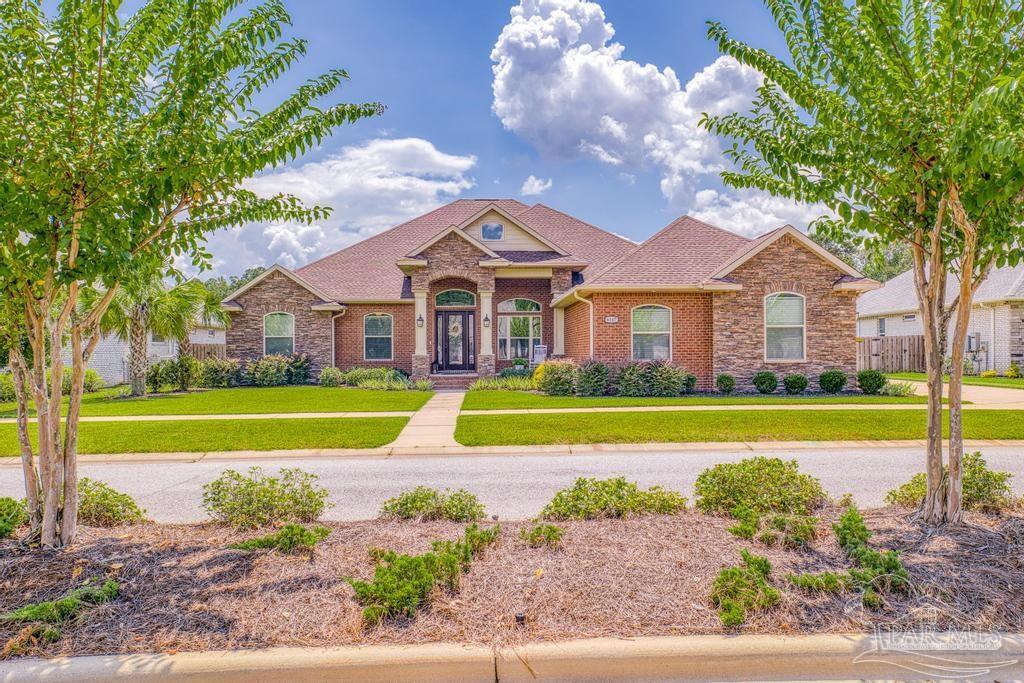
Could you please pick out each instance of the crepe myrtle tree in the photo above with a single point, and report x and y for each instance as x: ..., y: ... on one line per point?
x: 124, y: 141
x: 906, y: 119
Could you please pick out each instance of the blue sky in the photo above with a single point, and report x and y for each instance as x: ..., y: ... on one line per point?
x: 596, y: 101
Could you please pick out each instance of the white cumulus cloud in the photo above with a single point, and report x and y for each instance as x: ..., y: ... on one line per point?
x: 371, y: 187
x: 561, y: 83
x: 751, y: 212
x: 534, y: 185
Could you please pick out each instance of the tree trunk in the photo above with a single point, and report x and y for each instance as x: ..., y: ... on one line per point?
x: 138, y: 349
x: 184, y: 346
x: 19, y: 373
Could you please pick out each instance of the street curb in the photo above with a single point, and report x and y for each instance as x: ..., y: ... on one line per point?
x: 678, y: 658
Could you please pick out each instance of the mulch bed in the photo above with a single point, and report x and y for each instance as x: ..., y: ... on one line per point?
x: 183, y: 590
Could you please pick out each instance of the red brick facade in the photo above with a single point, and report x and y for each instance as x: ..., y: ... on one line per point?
x: 538, y: 290
x: 577, y: 332
x: 348, y: 336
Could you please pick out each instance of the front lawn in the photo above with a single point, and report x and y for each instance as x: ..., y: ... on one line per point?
x: 248, y: 400
x: 1001, y: 382
x: 224, y: 435
x: 498, y: 400
x: 734, y: 425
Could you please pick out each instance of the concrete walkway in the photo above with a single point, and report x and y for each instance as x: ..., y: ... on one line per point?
x: 997, y: 397
x: 433, y: 425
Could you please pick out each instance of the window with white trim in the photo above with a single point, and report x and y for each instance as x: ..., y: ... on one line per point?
x: 454, y: 297
x: 519, y: 328
x: 651, y: 327
x: 784, y: 327
x: 881, y: 327
x: 492, y: 232
x: 378, y: 340
x: 278, y: 334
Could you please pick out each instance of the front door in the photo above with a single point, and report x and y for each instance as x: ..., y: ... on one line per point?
x: 455, y: 341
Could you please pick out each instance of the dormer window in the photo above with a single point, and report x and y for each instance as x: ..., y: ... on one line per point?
x: 492, y: 232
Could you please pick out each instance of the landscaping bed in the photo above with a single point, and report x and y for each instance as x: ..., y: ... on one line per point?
x: 182, y: 589
x: 733, y: 425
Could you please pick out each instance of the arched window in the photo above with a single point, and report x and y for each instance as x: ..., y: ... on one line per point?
x: 652, y: 333
x: 519, y: 328
x: 378, y: 330
x: 454, y: 297
x: 278, y: 334
x: 785, y: 331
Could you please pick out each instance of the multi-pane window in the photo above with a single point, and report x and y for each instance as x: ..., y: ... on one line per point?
x: 278, y: 334
x: 377, y: 336
x: 454, y: 297
x: 519, y: 328
x: 784, y: 327
x: 652, y: 333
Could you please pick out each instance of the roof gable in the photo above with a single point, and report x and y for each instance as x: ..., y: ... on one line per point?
x: 229, y: 301
x: 470, y: 227
x: 457, y: 232
x: 764, y: 241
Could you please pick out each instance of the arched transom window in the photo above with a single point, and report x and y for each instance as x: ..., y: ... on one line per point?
x: 454, y: 297
x: 519, y: 328
x: 652, y: 333
x: 278, y: 334
x: 784, y: 327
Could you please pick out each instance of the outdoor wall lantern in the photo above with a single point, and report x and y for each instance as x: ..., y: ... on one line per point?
x: 487, y: 320
x: 419, y: 321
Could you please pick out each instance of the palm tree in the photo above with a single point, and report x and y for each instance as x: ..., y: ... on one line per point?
x: 153, y: 308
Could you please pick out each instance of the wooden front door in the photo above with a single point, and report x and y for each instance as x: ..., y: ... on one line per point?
x: 455, y: 341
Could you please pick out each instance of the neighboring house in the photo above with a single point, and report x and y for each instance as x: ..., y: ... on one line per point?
x: 110, y: 358
x: 475, y: 284
x: 997, y: 316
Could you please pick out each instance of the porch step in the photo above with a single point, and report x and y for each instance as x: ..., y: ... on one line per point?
x: 454, y: 380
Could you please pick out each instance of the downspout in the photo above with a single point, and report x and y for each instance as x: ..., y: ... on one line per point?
x: 334, y: 357
x: 590, y: 304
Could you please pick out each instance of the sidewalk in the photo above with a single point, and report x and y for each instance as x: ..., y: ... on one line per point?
x: 998, y: 397
x: 433, y: 425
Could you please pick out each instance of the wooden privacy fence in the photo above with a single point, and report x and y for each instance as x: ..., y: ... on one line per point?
x: 891, y: 354
x: 204, y: 351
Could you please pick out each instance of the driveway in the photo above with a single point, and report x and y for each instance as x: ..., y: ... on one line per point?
x: 511, y: 486
x: 1006, y: 398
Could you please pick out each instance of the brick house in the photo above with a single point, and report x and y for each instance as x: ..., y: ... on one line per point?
x: 468, y: 288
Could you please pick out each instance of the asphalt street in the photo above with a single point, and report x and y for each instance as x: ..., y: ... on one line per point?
x: 511, y: 486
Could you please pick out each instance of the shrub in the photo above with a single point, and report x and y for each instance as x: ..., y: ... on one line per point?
x: 832, y: 381
x: 592, y: 379
x: 393, y: 384
x: 422, y: 385
x: 269, y: 371
x: 725, y: 383
x: 988, y: 374
x: 101, y: 505
x: 254, y: 499
x: 516, y: 371
x: 871, y: 381
x: 64, y: 608
x: 558, y: 378
x: 795, y: 384
x: 632, y: 380
x: 187, y: 372
x: 760, y: 484
x: 12, y: 515
x: 220, y: 373
x: 600, y: 498
x: 403, y: 583
x: 985, y: 490
x: 542, y: 534
x: 502, y: 384
x: 1013, y: 372
x: 291, y: 538
x: 824, y: 582
x: 851, y: 531
x: 740, y: 590
x: 91, y: 381
x: 664, y: 379
x: 898, y: 389
x: 160, y: 374
x: 298, y: 369
x: 6, y: 387
x: 749, y: 521
x: 425, y: 504
x: 765, y: 381
x: 380, y: 379
x: 331, y: 377
x: 789, y: 531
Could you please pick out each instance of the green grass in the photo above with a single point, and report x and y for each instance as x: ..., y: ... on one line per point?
x: 254, y: 400
x: 225, y: 435
x: 498, y: 400
x: 737, y: 425
x: 1002, y: 382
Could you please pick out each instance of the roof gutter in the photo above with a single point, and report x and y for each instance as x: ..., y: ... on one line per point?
x: 590, y: 305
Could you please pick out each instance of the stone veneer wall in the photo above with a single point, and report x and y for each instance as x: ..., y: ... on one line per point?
x: 831, y: 317
x: 279, y: 293
x: 348, y: 336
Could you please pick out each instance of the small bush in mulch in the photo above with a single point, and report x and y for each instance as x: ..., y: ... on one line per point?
x: 12, y: 515
x: 426, y: 504
x: 743, y: 589
x: 598, y: 498
x: 292, y: 538
x: 795, y: 384
x: 64, y: 608
x: 725, y: 383
x: 506, y: 383
x: 331, y: 377
x: 542, y: 535
x: 984, y: 490
x: 759, y: 484
x: 102, y: 505
x: 832, y: 381
x: 793, y: 532
x: 592, y: 379
x: 871, y: 381
x: 402, y: 584
x: 556, y: 378
x: 765, y: 381
x: 254, y: 499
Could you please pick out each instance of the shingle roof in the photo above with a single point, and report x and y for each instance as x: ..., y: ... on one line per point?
x: 898, y: 295
x: 685, y: 252
x: 366, y: 271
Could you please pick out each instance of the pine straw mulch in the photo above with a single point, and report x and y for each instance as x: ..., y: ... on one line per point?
x: 182, y: 590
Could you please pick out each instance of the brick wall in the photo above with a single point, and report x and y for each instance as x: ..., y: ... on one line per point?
x: 348, y: 336
x: 577, y: 332
x: 279, y: 293
x: 831, y: 318
x: 537, y: 289
x: 1017, y: 335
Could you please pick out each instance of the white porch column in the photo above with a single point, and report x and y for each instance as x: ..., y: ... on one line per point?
x: 486, y: 333
x: 559, y: 349
x: 421, y: 330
